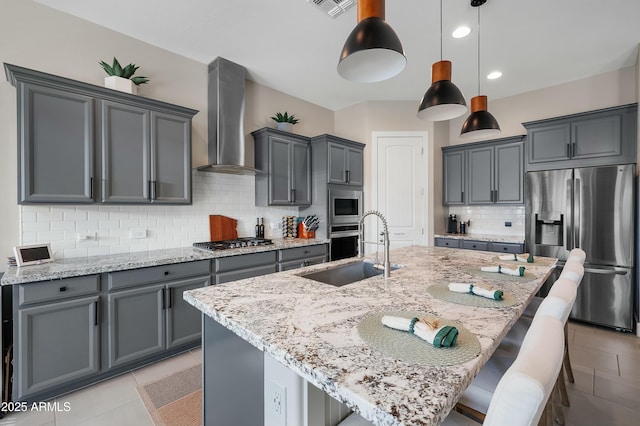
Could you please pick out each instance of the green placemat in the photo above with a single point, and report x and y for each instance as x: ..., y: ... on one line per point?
x: 411, y: 349
x: 441, y: 291
x: 488, y: 276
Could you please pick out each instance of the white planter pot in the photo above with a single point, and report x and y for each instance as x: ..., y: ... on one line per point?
x: 287, y: 127
x: 121, y: 84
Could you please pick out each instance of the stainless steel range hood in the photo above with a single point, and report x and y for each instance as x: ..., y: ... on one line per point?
x: 226, y: 119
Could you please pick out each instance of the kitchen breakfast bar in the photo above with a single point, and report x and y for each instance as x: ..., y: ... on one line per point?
x: 331, y: 336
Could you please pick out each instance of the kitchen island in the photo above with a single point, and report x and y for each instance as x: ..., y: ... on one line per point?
x: 312, y: 329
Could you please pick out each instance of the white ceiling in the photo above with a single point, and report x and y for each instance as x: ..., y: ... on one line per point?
x: 291, y: 46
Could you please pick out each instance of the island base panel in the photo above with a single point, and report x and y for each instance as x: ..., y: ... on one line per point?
x: 233, y: 374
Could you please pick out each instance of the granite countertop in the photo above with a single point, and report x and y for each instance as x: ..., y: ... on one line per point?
x: 74, y: 267
x: 485, y: 237
x: 311, y: 328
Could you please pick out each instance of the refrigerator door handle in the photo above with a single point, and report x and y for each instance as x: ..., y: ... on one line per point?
x: 605, y: 271
x: 568, y: 217
x: 576, y: 213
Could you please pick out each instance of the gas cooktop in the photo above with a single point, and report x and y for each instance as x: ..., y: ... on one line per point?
x: 230, y: 244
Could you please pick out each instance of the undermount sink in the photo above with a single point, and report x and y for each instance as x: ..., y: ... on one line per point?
x: 347, y: 274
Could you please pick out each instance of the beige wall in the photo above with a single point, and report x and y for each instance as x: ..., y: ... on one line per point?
x: 602, y: 91
x: 37, y: 37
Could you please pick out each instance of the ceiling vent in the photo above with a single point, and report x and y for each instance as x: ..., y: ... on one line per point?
x: 333, y: 8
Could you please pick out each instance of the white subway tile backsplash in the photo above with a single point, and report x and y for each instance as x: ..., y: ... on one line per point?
x: 167, y: 226
x: 491, y: 219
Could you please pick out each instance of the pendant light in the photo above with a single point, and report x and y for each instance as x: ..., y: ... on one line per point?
x: 372, y: 51
x: 443, y: 100
x: 480, y: 122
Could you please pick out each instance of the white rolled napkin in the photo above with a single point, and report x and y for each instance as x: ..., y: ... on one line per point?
x: 477, y: 290
x: 513, y: 257
x: 501, y: 270
x: 438, y: 336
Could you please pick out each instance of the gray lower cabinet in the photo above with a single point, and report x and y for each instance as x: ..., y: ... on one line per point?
x: 234, y: 268
x: 55, y: 153
x: 81, y: 143
x: 284, y: 161
x: 496, y: 246
x: 56, y: 334
x: 146, y: 311
x: 136, y: 324
x: 300, y: 257
x: 595, y: 138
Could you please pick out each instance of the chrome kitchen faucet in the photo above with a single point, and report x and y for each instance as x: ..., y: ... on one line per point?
x: 386, y: 266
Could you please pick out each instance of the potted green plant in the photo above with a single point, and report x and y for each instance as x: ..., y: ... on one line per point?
x: 121, y: 78
x: 284, y: 121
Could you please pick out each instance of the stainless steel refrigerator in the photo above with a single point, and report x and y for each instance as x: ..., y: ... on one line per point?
x: 593, y: 209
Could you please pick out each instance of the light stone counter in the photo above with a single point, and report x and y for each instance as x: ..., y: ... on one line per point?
x: 74, y: 267
x: 311, y: 328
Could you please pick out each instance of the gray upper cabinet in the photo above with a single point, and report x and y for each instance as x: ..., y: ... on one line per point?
x: 142, y: 147
x: 345, y: 161
x: 453, y: 181
x: 146, y: 156
x: 595, y: 138
x: 55, y: 153
x: 284, y: 161
x: 484, y: 173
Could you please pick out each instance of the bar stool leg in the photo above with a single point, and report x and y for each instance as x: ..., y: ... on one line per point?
x: 566, y: 361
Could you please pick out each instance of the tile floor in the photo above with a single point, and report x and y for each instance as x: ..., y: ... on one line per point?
x: 606, y: 392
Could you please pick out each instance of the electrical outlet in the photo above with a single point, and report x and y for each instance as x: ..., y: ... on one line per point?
x: 507, y: 224
x: 138, y: 233
x: 276, y: 403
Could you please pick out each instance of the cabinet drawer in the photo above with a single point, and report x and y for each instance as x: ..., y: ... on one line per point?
x: 244, y: 261
x: 173, y: 271
x: 447, y: 242
x: 475, y: 245
x: 301, y: 252
x: 507, y: 247
x: 241, y: 274
x: 301, y: 263
x: 58, y: 289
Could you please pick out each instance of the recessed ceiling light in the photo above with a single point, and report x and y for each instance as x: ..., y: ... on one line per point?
x: 461, y: 31
x: 493, y: 75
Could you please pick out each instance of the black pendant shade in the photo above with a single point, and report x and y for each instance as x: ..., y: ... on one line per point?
x: 373, y: 51
x: 480, y: 122
x: 442, y: 100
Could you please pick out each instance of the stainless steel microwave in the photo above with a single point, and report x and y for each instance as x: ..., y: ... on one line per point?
x: 345, y: 206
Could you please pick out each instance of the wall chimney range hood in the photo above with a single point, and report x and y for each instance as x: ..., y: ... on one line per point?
x: 226, y: 142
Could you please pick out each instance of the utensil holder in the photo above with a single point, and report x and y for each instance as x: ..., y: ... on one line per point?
x: 303, y: 233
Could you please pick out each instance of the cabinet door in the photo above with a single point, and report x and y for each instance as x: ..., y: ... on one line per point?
x: 301, y: 173
x: 136, y: 324
x: 57, y: 343
x: 599, y: 137
x: 337, y: 167
x: 125, y: 154
x: 549, y: 143
x: 355, y: 167
x: 454, y: 175
x: 55, y: 156
x: 480, y: 184
x: 279, y: 171
x: 170, y: 159
x: 184, y: 321
x: 509, y: 176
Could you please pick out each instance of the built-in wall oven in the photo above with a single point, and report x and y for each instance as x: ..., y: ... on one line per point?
x: 345, y: 210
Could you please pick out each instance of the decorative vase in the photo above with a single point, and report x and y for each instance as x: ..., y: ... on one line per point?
x: 121, y: 84
x: 283, y: 125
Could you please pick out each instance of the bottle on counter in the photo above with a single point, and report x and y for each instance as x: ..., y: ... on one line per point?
x: 257, y: 228
x: 261, y: 227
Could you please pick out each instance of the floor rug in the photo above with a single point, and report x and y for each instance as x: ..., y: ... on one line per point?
x: 175, y: 400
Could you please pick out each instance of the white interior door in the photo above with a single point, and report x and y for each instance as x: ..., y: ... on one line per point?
x: 399, y: 184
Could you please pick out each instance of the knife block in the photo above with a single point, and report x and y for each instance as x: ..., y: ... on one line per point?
x: 303, y: 233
